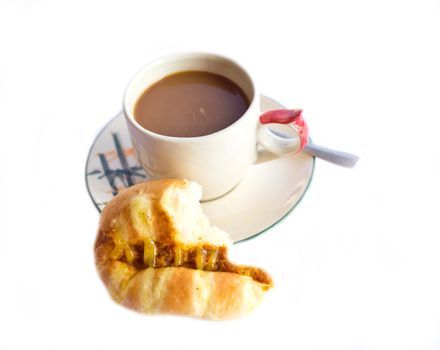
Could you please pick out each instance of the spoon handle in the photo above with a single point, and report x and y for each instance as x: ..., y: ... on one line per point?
x: 337, y: 157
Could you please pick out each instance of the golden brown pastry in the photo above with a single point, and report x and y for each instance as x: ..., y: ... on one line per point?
x: 157, y: 253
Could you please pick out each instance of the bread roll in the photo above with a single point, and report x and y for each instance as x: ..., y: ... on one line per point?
x: 157, y: 253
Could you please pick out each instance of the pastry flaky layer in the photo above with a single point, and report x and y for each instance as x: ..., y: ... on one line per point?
x: 157, y: 253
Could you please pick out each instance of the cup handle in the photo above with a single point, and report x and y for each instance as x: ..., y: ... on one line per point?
x: 281, y: 145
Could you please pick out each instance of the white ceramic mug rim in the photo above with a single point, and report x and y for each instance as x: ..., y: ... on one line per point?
x: 163, y: 59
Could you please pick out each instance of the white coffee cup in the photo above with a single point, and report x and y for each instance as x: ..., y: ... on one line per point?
x: 219, y: 160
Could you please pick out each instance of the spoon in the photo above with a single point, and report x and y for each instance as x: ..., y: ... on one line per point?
x: 344, y: 159
x: 330, y: 155
x: 293, y: 118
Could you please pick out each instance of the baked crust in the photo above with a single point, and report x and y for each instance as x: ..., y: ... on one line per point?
x: 150, y: 263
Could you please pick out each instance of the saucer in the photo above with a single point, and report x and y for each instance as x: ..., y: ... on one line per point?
x: 267, y: 193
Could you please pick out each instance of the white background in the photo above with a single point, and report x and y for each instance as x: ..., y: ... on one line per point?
x: 356, y: 264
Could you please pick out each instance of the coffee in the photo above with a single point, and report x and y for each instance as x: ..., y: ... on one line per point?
x: 189, y: 104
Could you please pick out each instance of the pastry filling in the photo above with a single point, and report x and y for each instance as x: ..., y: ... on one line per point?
x: 205, y: 257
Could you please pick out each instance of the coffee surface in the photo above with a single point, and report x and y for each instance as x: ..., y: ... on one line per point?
x: 189, y: 104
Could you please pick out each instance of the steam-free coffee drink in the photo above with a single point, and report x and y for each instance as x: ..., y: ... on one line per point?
x: 189, y: 104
